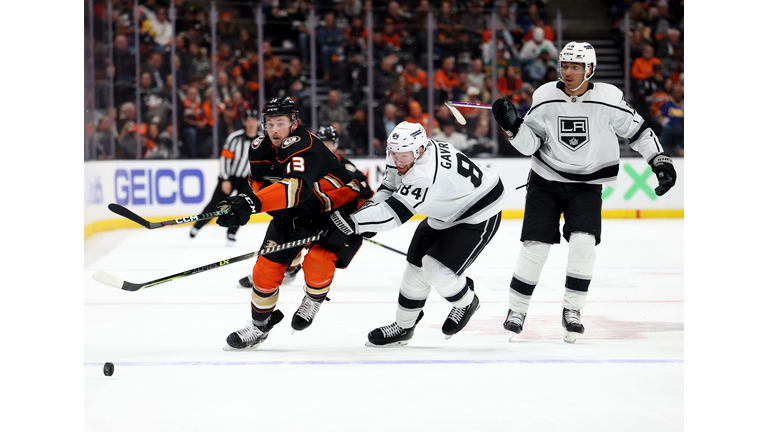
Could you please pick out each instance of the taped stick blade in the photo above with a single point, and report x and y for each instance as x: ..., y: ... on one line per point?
x: 459, y: 118
x: 108, y: 279
x: 124, y: 212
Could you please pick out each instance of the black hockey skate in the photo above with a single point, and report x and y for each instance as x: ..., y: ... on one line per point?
x: 251, y: 336
x: 306, y: 313
x: 290, y: 274
x: 514, y: 323
x: 459, y: 317
x: 392, y: 335
x: 572, y: 323
x: 246, y: 282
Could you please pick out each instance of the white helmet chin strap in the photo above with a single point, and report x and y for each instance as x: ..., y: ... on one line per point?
x: 582, y: 81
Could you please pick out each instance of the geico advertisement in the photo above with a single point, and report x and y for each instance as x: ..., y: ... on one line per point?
x: 168, y: 188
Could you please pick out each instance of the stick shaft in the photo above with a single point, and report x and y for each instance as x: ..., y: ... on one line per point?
x: 116, y: 282
x: 124, y: 212
x: 469, y: 104
x: 386, y: 247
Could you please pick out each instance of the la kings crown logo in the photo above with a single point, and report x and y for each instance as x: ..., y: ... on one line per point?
x: 573, y: 132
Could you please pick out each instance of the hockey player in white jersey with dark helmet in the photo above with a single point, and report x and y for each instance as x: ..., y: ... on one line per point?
x: 462, y: 203
x: 570, y: 133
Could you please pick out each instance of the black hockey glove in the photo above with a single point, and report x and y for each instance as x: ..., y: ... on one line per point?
x: 339, y: 230
x: 505, y: 114
x: 661, y: 164
x: 241, y: 207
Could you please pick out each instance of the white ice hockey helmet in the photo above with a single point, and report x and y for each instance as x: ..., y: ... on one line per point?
x: 407, y: 137
x: 579, y: 52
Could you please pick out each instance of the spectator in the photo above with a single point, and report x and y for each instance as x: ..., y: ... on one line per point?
x: 508, y: 84
x: 663, y: 21
x: 225, y: 58
x: 642, y: 67
x: 671, y: 64
x: 474, y: 22
x: 293, y: 81
x: 418, y: 23
x: 102, y: 137
x: 128, y: 128
x: 192, y: 122
x: 476, y: 74
x: 671, y: 120
x: 528, y: 20
x: 479, y: 139
x: 395, y: 14
x: 156, y: 148
x: 471, y: 115
x: 448, y: 133
x: 274, y: 68
x: 551, y: 75
x: 238, y: 106
x: 244, y: 43
x: 157, y: 72
x: 353, y: 72
x: 124, y: 68
x: 532, y: 48
x: 333, y: 111
x: 549, y: 33
x: 330, y: 38
x: 223, y: 86
x: 447, y: 28
x: 161, y: 26
x: 200, y: 66
x: 446, y: 78
x: 226, y: 29
x: 662, y: 95
x: 388, y: 36
x: 353, y: 8
x: 152, y: 103
x: 537, y: 68
x: 525, y: 99
x: 384, y: 76
x: 666, y: 45
x: 210, y: 119
x: 637, y: 42
x: 646, y: 90
x: 417, y: 115
x: 382, y: 127
x: 358, y: 133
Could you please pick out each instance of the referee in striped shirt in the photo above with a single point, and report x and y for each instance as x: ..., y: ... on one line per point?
x: 234, y: 169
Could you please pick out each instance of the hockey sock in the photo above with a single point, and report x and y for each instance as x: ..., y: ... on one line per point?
x: 452, y: 287
x: 530, y: 263
x: 414, y: 291
x: 578, y: 273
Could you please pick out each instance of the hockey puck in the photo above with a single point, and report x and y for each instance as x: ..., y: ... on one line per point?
x: 109, y: 369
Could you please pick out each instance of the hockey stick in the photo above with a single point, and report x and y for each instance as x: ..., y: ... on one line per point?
x: 386, y: 247
x: 108, y: 279
x: 124, y: 212
x: 460, y: 118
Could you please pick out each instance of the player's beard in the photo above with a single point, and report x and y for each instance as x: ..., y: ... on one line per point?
x: 405, y: 169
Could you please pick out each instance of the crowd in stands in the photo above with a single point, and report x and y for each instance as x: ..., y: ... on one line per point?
x: 524, y: 51
x: 655, y: 35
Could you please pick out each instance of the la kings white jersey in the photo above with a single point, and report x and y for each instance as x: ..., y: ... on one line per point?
x: 444, y: 185
x: 574, y: 139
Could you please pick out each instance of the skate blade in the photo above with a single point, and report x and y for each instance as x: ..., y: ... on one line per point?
x: 250, y: 348
x: 512, y: 335
x: 391, y: 345
x: 571, y: 337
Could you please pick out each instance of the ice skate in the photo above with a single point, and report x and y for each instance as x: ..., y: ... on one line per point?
x: 306, y: 313
x: 231, y: 239
x: 193, y: 232
x: 246, y: 282
x: 459, y: 317
x: 251, y: 336
x: 392, y: 335
x: 514, y: 323
x: 572, y: 323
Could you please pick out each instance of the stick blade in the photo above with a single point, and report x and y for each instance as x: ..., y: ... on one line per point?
x: 459, y: 118
x: 124, y: 212
x: 108, y: 279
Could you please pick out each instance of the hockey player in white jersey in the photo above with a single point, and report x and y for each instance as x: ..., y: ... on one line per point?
x: 570, y: 133
x: 462, y: 203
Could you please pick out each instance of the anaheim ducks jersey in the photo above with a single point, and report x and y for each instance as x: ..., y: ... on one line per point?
x: 573, y: 139
x: 301, y: 178
x: 443, y: 184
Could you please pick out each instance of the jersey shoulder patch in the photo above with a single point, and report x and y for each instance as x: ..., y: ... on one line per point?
x: 290, y: 141
x: 256, y: 142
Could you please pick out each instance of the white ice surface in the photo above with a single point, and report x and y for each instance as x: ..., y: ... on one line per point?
x: 171, y: 374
